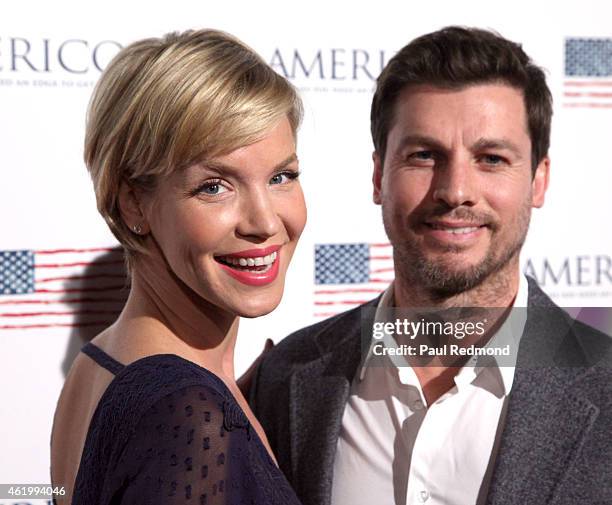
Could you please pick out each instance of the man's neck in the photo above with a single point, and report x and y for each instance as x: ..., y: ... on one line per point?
x: 498, y: 290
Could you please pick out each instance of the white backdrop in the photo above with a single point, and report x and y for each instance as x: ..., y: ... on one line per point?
x: 49, y: 54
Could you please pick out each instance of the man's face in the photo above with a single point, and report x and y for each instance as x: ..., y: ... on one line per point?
x: 456, y: 187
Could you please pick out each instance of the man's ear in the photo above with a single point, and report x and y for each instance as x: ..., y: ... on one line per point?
x: 539, y: 184
x: 377, y: 179
x: 131, y: 209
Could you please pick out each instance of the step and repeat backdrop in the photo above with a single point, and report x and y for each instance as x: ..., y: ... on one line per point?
x: 61, y: 273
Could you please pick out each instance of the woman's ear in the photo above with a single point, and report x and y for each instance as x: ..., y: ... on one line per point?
x: 131, y: 210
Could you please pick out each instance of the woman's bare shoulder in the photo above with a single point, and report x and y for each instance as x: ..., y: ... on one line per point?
x: 84, y: 386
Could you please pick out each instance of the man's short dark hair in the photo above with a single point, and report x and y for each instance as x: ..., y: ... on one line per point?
x: 456, y: 57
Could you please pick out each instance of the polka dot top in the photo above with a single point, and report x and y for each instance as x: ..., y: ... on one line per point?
x: 167, y: 431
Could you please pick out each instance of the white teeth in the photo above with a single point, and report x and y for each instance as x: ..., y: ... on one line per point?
x: 251, y: 262
x: 456, y: 231
x: 460, y: 231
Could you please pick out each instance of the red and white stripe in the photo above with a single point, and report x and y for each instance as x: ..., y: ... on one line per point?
x: 591, y: 93
x: 330, y: 300
x: 73, y: 288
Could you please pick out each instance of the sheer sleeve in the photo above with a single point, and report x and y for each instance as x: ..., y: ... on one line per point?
x: 168, y: 432
x: 180, y: 452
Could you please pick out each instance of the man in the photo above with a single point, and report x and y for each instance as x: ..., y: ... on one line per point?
x: 461, y: 124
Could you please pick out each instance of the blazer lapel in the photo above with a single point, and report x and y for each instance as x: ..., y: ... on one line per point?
x: 315, y: 420
x: 545, y: 423
x: 319, y: 392
x: 543, y: 433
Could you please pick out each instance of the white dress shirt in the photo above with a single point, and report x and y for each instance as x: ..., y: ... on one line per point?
x: 394, y: 449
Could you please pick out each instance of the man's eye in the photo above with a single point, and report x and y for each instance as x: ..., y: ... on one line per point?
x: 492, y: 159
x: 422, y: 158
x: 423, y: 155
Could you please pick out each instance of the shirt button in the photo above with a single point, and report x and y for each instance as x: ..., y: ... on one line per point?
x: 423, y: 496
x: 418, y: 405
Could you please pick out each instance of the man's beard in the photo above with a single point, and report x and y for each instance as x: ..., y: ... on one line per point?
x: 439, y: 276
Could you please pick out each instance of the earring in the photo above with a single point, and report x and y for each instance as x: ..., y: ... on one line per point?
x: 137, y: 229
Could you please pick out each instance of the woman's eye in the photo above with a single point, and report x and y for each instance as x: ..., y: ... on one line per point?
x: 212, y: 188
x: 283, y: 177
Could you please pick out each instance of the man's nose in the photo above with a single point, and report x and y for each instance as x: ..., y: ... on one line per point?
x: 455, y: 183
x: 259, y: 218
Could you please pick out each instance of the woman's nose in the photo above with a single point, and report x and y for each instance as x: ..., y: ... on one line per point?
x: 259, y: 219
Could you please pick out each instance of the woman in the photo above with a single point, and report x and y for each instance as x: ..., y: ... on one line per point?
x: 190, y: 143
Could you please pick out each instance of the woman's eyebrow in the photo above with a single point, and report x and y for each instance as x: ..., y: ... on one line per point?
x: 220, y: 167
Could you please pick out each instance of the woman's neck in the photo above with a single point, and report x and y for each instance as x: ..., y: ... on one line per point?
x: 163, y: 315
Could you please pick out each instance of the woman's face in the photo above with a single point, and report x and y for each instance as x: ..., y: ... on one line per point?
x: 228, y: 227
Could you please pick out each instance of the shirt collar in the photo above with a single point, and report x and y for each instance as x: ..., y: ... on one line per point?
x: 386, y: 301
x: 510, y: 332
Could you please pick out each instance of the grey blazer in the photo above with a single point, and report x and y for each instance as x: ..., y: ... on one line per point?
x: 556, y: 443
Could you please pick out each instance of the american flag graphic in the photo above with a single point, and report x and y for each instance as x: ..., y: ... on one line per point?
x: 61, y: 288
x: 588, y: 73
x: 347, y: 275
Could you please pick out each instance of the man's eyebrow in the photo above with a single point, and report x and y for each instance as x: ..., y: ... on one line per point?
x: 492, y: 143
x: 480, y: 144
x: 220, y: 167
x: 421, y: 140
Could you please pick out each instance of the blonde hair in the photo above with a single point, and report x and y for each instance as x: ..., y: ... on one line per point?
x: 166, y: 103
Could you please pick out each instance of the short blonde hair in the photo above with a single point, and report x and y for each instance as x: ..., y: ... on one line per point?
x: 166, y: 103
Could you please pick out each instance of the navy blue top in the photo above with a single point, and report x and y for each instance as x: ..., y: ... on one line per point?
x: 167, y: 431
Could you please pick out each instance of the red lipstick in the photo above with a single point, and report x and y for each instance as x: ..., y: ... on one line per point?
x: 253, y: 276
x: 254, y: 253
